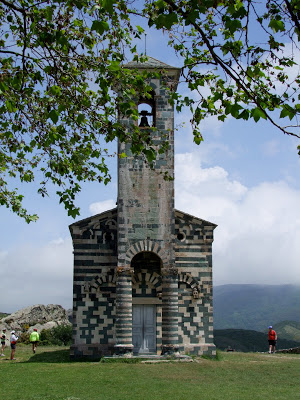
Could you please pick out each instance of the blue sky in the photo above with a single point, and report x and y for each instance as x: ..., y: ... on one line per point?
x: 243, y: 177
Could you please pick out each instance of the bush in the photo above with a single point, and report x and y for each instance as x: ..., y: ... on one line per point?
x: 24, y: 338
x: 62, y: 335
x: 46, y: 337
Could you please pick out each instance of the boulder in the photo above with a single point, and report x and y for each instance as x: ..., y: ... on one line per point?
x: 294, y: 350
x: 38, y: 316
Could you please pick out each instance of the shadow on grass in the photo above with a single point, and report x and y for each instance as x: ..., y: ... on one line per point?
x: 63, y: 356
x: 56, y: 356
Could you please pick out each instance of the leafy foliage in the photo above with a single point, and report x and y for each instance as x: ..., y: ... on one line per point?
x: 62, y: 84
x: 24, y: 338
x: 60, y: 335
x: 59, y: 62
x: 240, y: 58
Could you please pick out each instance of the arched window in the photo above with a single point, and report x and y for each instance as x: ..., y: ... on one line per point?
x: 146, y: 260
x: 146, y: 109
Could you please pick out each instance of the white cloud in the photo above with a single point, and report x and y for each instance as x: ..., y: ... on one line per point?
x: 256, y: 241
x: 258, y: 234
x: 271, y: 148
x: 101, y: 206
x: 37, y: 275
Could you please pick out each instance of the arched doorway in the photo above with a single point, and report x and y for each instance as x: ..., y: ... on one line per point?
x: 146, y: 302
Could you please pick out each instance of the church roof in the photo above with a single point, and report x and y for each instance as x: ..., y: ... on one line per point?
x: 181, y: 214
x: 113, y: 213
x: 151, y: 63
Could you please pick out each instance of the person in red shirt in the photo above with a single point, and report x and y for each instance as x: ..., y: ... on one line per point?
x: 272, y: 337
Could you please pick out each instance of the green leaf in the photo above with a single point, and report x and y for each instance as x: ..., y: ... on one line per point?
x: 100, y: 26
x: 166, y: 21
x: 53, y: 115
x: 122, y: 155
x: 10, y: 107
x: 140, y: 29
x: 150, y: 154
x: 244, y: 115
x: 114, y: 66
x: 233, y: 25
x: 287, y: 111
x: 3, y: 87
x: 277, y: 25
x: 108, y: 5
x: 55, y: 90
x: 80, y: 119
x: 257, y: 113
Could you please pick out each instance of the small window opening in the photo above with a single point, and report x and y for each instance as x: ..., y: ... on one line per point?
x: 180, y: 236
x: 108, y: 237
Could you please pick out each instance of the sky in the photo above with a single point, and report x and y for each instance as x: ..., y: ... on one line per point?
x: 244, y: 177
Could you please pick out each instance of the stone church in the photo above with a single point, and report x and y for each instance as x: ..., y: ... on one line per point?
x: 143, y: 270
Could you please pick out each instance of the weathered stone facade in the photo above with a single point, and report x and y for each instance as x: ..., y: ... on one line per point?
x: 143, y: 271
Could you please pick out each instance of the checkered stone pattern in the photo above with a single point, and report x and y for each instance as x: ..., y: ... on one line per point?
x: 144, y: 221
x: 159, y: 328
x: 193, y: 252
x: 146, y: 284
x: 95, y: 260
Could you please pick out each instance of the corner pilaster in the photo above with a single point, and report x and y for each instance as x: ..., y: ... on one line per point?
x: 169, y: 310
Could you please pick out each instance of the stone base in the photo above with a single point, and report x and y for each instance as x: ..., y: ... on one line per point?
x: 89, y: 351
x: 169, y: 350
x: 123, y: 350
x: 206, y: 349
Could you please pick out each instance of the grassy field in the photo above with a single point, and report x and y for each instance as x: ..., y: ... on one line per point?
x: 49, y: 375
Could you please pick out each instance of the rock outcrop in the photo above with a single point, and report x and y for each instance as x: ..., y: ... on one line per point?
x: 38, y: 316
x: 294, y: 350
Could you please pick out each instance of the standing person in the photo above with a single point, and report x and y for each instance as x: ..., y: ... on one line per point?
x: 13, y: 343
x: 3, y: 337
x: 34, y: 339
x: 272, y: 337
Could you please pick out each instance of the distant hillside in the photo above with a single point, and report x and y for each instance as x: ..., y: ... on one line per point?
x: 255, y: 306
x: 289, y: 330
x: 248, y: 340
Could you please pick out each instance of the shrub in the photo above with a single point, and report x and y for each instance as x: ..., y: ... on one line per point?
x: 24, y: 338
x: 62, y: 335
x: 45, y: 337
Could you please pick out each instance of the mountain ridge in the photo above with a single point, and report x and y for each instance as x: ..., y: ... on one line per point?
x: 255, y: 307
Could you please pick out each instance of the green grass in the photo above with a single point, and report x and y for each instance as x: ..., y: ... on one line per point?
x: 49, y: 375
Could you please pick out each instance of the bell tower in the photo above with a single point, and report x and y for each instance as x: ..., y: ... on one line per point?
x: 146, y: 199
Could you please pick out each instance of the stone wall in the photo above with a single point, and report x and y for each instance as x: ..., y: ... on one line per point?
x: 95, y: 273
x: 95, y: 261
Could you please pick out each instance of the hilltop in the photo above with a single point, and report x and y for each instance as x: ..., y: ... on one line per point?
x: 255, y: 307
x: 249, y: 340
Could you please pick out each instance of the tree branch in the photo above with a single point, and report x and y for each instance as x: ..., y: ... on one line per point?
x: 295, y: 18
x: 252, y: 95
x: 13, y: 7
